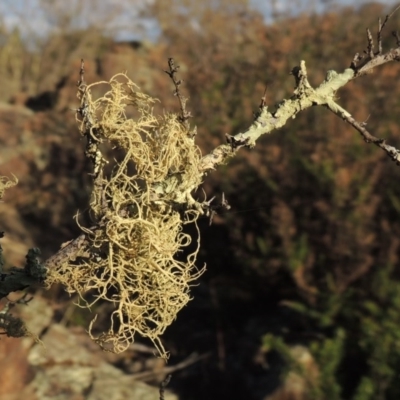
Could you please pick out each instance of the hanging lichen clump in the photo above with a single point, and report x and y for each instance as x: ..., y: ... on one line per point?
x: 138, y: 206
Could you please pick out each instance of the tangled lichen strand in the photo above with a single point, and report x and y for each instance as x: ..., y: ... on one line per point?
x: 6, y: 183
x: 158, y: 146
x: 131, y: 260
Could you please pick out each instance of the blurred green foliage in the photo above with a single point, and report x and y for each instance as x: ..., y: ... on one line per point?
x: 358, y: 329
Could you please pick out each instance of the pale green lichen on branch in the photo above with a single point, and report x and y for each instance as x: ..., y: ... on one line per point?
x: 129, y: 257
x: 304, y: 97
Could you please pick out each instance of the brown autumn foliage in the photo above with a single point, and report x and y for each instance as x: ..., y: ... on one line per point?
x: 314, y: 209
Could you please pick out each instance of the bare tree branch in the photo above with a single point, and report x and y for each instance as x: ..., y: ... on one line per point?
x: 391, y: 151
x: 172, y: 72
x: 305, y: 96
x: 374, y: 59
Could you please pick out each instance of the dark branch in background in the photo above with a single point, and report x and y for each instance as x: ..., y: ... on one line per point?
x: 163, y: 385
x: 397, y: 36
x: 168, y: 370
x: 92, y: 135
x: 21, y: 278
x: 13, y: 326
x: 172, y: 72
x: 17, y: 278
x: 92, y: 151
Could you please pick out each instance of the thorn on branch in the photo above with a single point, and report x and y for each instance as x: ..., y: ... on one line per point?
x: 212, y: 210
x: 262, y: 104
x: 81, y: 80
x: 357, y: 57
x: 207, y: 203
x: 300, y: 76
x: 263, y: 99
x: 224, y: 202
x: 185, y: 115
x: 364, y: 123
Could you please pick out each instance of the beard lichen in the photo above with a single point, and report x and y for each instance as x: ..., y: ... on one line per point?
x: 135, y: 254
x: 6, y: 183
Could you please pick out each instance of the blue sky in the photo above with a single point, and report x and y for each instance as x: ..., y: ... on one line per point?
x: 35, y: 21
x: 298, y: 6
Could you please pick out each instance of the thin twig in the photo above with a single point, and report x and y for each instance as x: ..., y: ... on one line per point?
x: 172, y: 72
x: 262, y: 104
x: 215, y: 209
x: 397, y: 36
x: 381, y: 26
x: 149, y: 375
x: 390, y: 15
x: 81, y: 74
x: 263, y: 99
x: 391, y: 151
x: 370, y: 47
x: 373, y: 59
